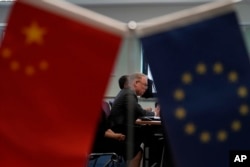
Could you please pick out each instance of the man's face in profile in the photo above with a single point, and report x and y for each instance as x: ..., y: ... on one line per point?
x: 141, y: 86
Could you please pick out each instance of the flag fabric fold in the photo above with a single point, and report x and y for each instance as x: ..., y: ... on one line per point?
x: 54, y: 72
x: 202, y: 76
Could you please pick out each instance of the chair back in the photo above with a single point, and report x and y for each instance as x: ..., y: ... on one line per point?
x: 106, y: 108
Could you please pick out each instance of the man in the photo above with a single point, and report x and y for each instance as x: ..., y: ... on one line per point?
x: 157, y: 109
x: 125, y: 110
x: 123, y: 82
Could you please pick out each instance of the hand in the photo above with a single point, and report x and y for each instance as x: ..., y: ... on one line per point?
x: 148, y: 109
x: 119, y: 136
x: 157, y: 111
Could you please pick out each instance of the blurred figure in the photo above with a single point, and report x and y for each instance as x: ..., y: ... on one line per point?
x: 125, y: 110
x: 157, y: 109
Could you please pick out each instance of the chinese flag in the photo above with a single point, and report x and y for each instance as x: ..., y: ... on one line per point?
x: 54, y: 71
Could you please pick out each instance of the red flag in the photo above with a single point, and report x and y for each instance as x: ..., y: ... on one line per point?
x: 54, y: 71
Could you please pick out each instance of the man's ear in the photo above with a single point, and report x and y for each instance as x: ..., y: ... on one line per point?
x: 135, y: 83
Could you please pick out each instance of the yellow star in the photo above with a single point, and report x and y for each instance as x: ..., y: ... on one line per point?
x: 190, y: 128
x: 180, y: 113
x: 186, y: 78
x: 222, y: 135
x: 244, y: 109
x: 29, y: 70
x: 201, y: 68
x: 14, y: 65
x: 6, y: 53
x: 218, y: 68
x: 43, y: 65
x: 205, y: 137
x: 179, y: 94
x: 34, y: 33
x: 233, y: 76
x: 242, y: 91
x: 236, y: 125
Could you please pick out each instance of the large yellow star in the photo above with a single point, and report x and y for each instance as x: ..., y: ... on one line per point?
x: 34, y: 33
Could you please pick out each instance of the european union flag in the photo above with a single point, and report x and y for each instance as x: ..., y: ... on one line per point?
x: 201, y: 72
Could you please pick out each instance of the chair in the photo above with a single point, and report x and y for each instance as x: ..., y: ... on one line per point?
x: 106, y: 108
x: 112, y: 159
x: 107, y: 158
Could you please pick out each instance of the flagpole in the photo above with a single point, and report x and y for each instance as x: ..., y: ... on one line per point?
x: 81, y: 14
x: 131, y: 26
x: 184, y: 17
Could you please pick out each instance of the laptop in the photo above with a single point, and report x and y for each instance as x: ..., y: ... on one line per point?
x: 150, y: 118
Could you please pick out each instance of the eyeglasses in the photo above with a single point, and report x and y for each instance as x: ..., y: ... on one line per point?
x: 144, y: 84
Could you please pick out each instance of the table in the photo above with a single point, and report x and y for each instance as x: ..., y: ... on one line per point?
x: 151, y: 156
x: 165, y: 159
x: 142, y: 122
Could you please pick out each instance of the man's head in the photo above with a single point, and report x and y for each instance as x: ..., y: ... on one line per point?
x: 138, y: 82
x: 157, y: 109
x: 157, y: 104
x: 123, y: 81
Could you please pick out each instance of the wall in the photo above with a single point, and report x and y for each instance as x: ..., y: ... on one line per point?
x: 140, y: 12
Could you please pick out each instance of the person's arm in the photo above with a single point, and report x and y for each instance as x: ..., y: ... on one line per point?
x: 111, y: 134
x: 144, y: 112
x: 157, y: 111
x: 149, y: 113
x: 131, y: 102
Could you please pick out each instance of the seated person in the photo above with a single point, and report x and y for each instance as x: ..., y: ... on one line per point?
x: 123, y: 83
x: 106, y: 140
x: 125, y: 110
x: 157, y: 109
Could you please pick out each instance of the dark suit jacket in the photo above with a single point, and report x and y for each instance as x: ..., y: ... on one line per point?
x: 126, y: 106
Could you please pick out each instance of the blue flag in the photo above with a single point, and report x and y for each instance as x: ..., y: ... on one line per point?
x: 202, y: 76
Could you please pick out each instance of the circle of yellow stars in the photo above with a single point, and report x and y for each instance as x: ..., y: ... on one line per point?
x: 180, y: 113
x: 34, y: 34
